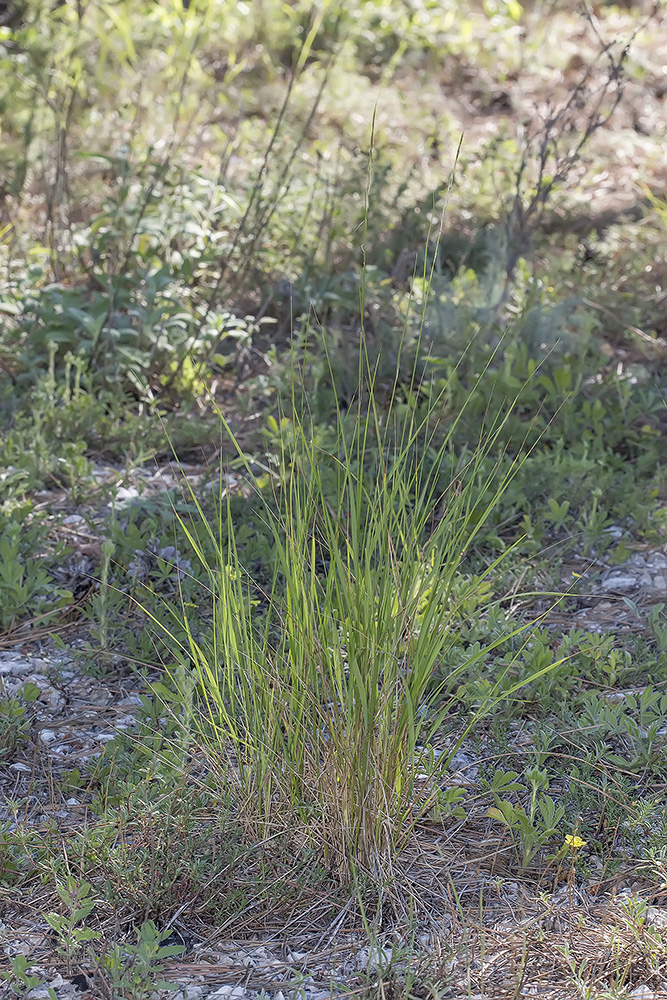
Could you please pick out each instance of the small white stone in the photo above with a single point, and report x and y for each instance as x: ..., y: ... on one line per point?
x: 620, y: 581
x: 190, y: 993
x: 14, y: 667
x: 18, y: 766
x: 41, y: 665
x: 125, y: 495
x: 643, y: 992
x: 425, y: 941
x: 130, y: 699
x: 373, y: 958
x: 47, y: 736
x: 656, y: 916
x: 614, y: 531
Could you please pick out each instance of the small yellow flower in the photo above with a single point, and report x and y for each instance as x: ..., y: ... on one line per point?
x: 574, y: 842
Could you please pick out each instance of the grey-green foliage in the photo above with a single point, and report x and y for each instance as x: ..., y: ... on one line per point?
x: 134, y: 970
x: 14, y: 718
x: 26, y: 587
x: 124, y: 970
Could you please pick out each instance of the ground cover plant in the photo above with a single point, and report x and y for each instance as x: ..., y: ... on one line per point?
x: 332, y: 516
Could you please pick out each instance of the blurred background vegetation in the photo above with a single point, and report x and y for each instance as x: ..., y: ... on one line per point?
x: 215, y: 204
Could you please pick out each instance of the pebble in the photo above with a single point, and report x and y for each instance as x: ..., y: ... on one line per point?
x: 45, y: 992
x: 614, y: 531
x: 125, y: 495
x: 130, y: 699
x: 656, y: 916
x: 465, y: 764
x: 620, y: 581
x: 13, y: 666
x: 372, y: 958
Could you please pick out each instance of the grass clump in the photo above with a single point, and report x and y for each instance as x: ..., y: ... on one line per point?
x: 318, y: 707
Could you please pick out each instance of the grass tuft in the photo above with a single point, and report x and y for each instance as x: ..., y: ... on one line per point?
x: 320, y: 700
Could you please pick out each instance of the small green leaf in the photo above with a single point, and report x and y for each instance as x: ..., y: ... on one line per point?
x: 30, y: 691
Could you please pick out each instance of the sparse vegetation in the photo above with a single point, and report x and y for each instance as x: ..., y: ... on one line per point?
x: 333, y: 498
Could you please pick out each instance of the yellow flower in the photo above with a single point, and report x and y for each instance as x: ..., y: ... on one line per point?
x: 574, y: 842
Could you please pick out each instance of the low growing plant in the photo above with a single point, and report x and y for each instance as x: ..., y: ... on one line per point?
x: 26, y: 588
x: 135, y: 970
x: 533, y: 826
